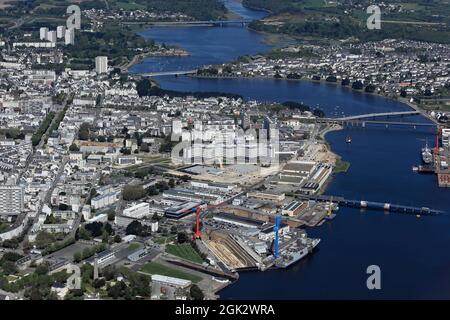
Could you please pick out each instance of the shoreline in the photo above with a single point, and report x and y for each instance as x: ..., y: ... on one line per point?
x: 399, y: 99
x: 323, y: 133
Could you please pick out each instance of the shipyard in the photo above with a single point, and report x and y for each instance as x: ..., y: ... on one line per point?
x: 436, y: 160
x: 164, y: 150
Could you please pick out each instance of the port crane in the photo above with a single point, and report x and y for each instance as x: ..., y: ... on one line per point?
x: 198, y: 211
x: 276, y: 228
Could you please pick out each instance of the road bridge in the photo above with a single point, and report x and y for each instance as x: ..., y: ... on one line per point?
x: 168, y: 73
x: 380, y: 115
x: 377, y: 118
x: 214, y: 23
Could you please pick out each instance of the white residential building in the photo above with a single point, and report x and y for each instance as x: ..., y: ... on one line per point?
x: 11, y: 200
x: 43, y: 33
x: 137, y: 211
x: 101, y: 65
x: 69, y: 36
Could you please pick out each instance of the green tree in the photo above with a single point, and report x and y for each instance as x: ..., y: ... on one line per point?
x: 77, y: 257
x: 74, y: 148
x: 182, y: 237
x: 132, y: 193
x: 196, y: 293
x: 84, y: 131
x: 9, y: 268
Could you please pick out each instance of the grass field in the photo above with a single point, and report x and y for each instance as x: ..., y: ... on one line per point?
x: 157, y: 268
x: 134, y: 247
x: 341, y: 166
x: 184, y: 251
x: 165, y: 240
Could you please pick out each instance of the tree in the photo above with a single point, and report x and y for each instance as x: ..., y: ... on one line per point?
x: 135, y: 228
x: 105, y: 237
x: 125, y: 151
x: 357, y: 85
x: 84, y: 234
x: 95, y: 228
x: 370, y: 88
x: 84, y: 131
x: 172, y: 183
x: 145, y: 147
x: 11, y: 243
x: 74, y: 148
x: 9, y: 268
x: 111, y: 215
x: 196, y: 293
x: 331, y: 78
x: 41, y: 269
x: 182, y: 237
x: 132, y: 193
x: 98, y: 283
x: 346, y: 82
x: 143, y: 87
x: 108, y: 229
x: 77, y: 257
x: 117, y: 239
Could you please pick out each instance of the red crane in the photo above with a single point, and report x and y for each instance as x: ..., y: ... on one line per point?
x: 198, y: 233
x: 198, y: 212
x: 436, y: 150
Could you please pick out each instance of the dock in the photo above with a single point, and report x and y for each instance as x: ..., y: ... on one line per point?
x: 385, y: 206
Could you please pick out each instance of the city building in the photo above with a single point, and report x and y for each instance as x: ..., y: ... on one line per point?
x: 51, y: 36
x: 11, y: 200
x: 137, y: 211
x: 104, y: 200
x: 101, y: 65
x: 446, y: 138
x: 60, y: 32
x: 294, y: 208
x: 69, y: 36
x: 267, y: 196
x: 238, y: 221
x: 43, y: 33
x: 170, y: 281
x: 268, y: 232
x: 182, y: 210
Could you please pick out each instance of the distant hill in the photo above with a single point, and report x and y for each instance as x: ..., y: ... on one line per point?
x: 421, y: 20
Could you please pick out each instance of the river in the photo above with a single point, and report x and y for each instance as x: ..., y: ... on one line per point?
x: 413, y: 253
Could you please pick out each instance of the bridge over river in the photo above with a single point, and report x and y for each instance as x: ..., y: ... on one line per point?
x: 214, y: 23
x: 379, y: 118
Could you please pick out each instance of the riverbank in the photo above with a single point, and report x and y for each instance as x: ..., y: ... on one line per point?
x: 404, y: 101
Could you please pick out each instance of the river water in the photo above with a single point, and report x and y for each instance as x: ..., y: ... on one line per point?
x: 413, y: 253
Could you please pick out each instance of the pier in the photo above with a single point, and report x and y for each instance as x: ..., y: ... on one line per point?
x: 373, y: 205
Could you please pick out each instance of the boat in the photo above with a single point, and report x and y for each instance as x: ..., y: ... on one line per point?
x: 349, y: 139
x: 427, y: 155
x: 297, y: 252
